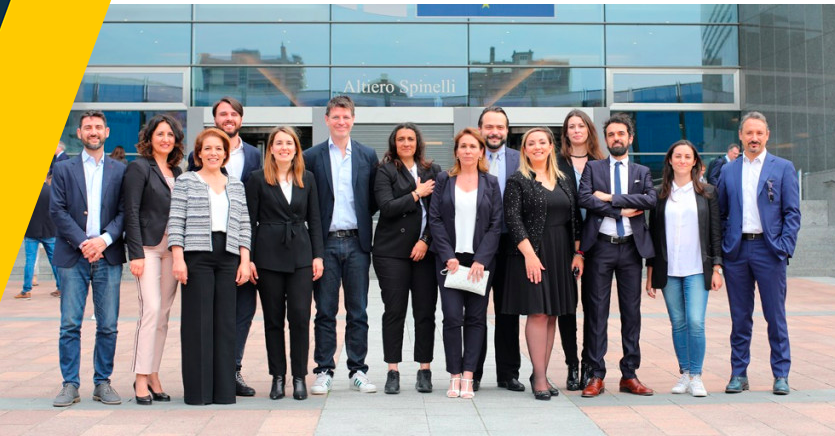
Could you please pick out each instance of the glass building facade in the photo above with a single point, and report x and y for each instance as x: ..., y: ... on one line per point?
x: 681, y: 71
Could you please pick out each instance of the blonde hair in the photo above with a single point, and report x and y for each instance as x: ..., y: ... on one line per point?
x: 482, y: 164
x: 271, y: 166
x: 550, y: 165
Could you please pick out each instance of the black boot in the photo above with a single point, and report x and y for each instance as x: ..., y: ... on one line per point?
x: 572, y: 382
x: 241, y: 388
x: 277, y: 390
x: 586, y: 374
x: 299, y: 388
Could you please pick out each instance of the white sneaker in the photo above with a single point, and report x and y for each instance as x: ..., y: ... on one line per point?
x: 697, y: 388
x: 360, y: 383
x: 322, y: 385
x: 683, y: 384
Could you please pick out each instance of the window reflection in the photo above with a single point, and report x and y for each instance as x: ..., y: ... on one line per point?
x: 534, y: 44
x: 142, y: 44
x: 124, y: 129
x: 123, y: 13
x: 660, y: 13
x: 674, y: 88
x: 402, y: 86
x: 261, y: 86
x: 671, y: 45
x: 248, y: 44
x: 260, y: 13
x: 536, y: 87
x: 130, y: 87
x: 399, y: 44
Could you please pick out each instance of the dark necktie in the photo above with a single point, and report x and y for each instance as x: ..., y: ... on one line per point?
x: 619, y: 221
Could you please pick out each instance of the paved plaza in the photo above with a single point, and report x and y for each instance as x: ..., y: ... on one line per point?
x: 30, y: 378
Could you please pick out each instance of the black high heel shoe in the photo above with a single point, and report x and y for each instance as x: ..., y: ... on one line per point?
x: 540, y: 395
x: 142, y: 401
x: 277, y: 391
x: 158, y: 396
x: 299, y: 388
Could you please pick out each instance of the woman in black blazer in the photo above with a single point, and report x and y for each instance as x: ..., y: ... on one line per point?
x: 687, y: 237
x: 146, y: 190
x: 287, y: 248
x: 465, y: 217
x: 403, y: 188
x: 578, y: 146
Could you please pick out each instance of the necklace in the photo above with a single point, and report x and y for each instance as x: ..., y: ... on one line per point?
x: 579, y: 157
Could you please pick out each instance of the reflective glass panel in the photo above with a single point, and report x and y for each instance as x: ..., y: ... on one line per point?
x: 590, y: 13
x: 534, y: 44
x: 382, y: 13
x: 131, y: 88
x: 536, y: 87
x: 399, y: 44
x: 256, y: 86
x: 402, y: 86
x: 674, y: 88
x: 271, y: 13
x: 122, y: 13
x: 661, y: 14
x: 142, y: 44
x: 279, y: 44
x: 124, y: 129
x: 671, y: 45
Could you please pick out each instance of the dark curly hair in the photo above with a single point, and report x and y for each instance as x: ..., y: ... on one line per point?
x: 144, y: 147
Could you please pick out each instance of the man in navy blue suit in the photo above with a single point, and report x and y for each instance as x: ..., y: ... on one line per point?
x: 344, y: 171
x: 228, y: 113
x: 87, y: 209
x: 503, y: 162
x: 759, y: 203
x: 615, y: 193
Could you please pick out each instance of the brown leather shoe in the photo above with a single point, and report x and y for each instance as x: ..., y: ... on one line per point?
x: 594, y: 388
x: 634, y: 386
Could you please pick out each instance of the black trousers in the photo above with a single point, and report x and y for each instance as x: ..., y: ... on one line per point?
x: 624, y: 262
x: 207, y: 330
x: 286, y: 295
x: 397, y: 277
x: 506, y: 336
x: 246, y: 302
x: 465, y: 320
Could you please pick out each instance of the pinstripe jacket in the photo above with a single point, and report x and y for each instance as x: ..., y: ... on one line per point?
x: 190, y: 220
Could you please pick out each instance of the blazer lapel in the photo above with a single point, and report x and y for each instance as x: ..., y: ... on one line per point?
x: 765, y: 173
x: 80, y: 179
x: 155, y: 169
x: 737, y: 181
x: 607, y: 178
x: 355, y: 163
x: 633, y: 177
x: 661, y: 222
x: 482, y: 184
x: 326, y: 166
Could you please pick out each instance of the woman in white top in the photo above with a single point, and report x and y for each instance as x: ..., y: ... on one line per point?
x: 465, y: 217
x: 687, y: 238
x: 209, y: 236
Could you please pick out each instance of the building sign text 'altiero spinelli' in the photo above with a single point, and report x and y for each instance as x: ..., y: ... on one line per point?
x: 404, y: 87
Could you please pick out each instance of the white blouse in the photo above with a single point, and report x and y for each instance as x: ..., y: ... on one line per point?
x: 465, y: 214
x: 413, y: 172
x: 684, y: 251
x: 287, y: 189
x: 220, y: 210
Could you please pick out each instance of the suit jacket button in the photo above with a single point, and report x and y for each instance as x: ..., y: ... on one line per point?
x: 85, y: 212
x: 402, y: 230
x: 404, y: 215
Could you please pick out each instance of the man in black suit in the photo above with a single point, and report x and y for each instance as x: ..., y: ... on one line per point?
x: 503, y: 162
x: 615, y: 237
x: 243, y: 160
x: 715, y: 167
x: 344, y: 171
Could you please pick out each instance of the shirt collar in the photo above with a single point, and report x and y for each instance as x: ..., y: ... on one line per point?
x: 86, y: 158
x: 333, y: 146
x: 686, y: 188
x: 760, y: 158
x: 498, y: 153
x: 612, y: 161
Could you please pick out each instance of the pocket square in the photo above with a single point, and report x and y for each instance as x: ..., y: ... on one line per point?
x: 637, y: 181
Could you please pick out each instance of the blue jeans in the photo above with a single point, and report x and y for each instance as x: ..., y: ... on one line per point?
x: 30, y: 246
x: 345, y: 262
x: 76, y: 280
x: 686, y: 299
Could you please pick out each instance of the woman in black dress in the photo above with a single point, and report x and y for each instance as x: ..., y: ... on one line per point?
x: 544, y: 224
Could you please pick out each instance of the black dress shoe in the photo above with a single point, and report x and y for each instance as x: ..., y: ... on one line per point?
x: 424, y: 381
x: 299, y: 388
x: 541, y: 395
x: 142, y: 401
x: 586, y: 373
x: 476, y: 384
x: 553, y: 389
x: 277, y: 390
x: 241, y: 388
x: 161, y: 396
x: 512, y: 385
x: 572, y: 382
x: 392, y: 382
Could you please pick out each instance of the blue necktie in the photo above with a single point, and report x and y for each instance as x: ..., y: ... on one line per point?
x: 619, y: 221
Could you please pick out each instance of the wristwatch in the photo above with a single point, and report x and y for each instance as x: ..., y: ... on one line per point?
x: 719, y: 270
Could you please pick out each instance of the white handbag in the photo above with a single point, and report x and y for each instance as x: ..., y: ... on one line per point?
x: 460, y: 281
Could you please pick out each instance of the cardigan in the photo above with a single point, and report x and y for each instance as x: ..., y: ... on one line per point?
x: 525, y: 209
x: 190, y: 221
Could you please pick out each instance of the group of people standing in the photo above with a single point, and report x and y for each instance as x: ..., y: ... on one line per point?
x: 299, y: 227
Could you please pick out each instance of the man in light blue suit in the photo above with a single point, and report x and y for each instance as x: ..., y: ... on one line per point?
x: 760, y: 207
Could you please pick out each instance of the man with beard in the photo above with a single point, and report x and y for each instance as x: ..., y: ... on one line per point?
x: 759, y: 204
x: 87, y: 209
x: 503, y: 162
x: 243, y: 160
x: 615, y: 238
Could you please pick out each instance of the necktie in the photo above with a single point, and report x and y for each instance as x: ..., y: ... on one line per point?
x: 619, y: 221
x: 494, y: 164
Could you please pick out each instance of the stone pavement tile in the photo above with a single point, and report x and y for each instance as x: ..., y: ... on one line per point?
x: 291, y: 422
x: 180, y: 422
x: 782, y: 419
x: 643, y: 429
x: 372, y: 422
x: 65, y: 426
x: 14, y: 429
x: 822, y: 413
x: 115, y: 430
x: 450, y: 407
x: 224, y: 423
x: 674, y: 420
x: 132, y: 417
x: 460, y: 423
x: 27, y: 416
